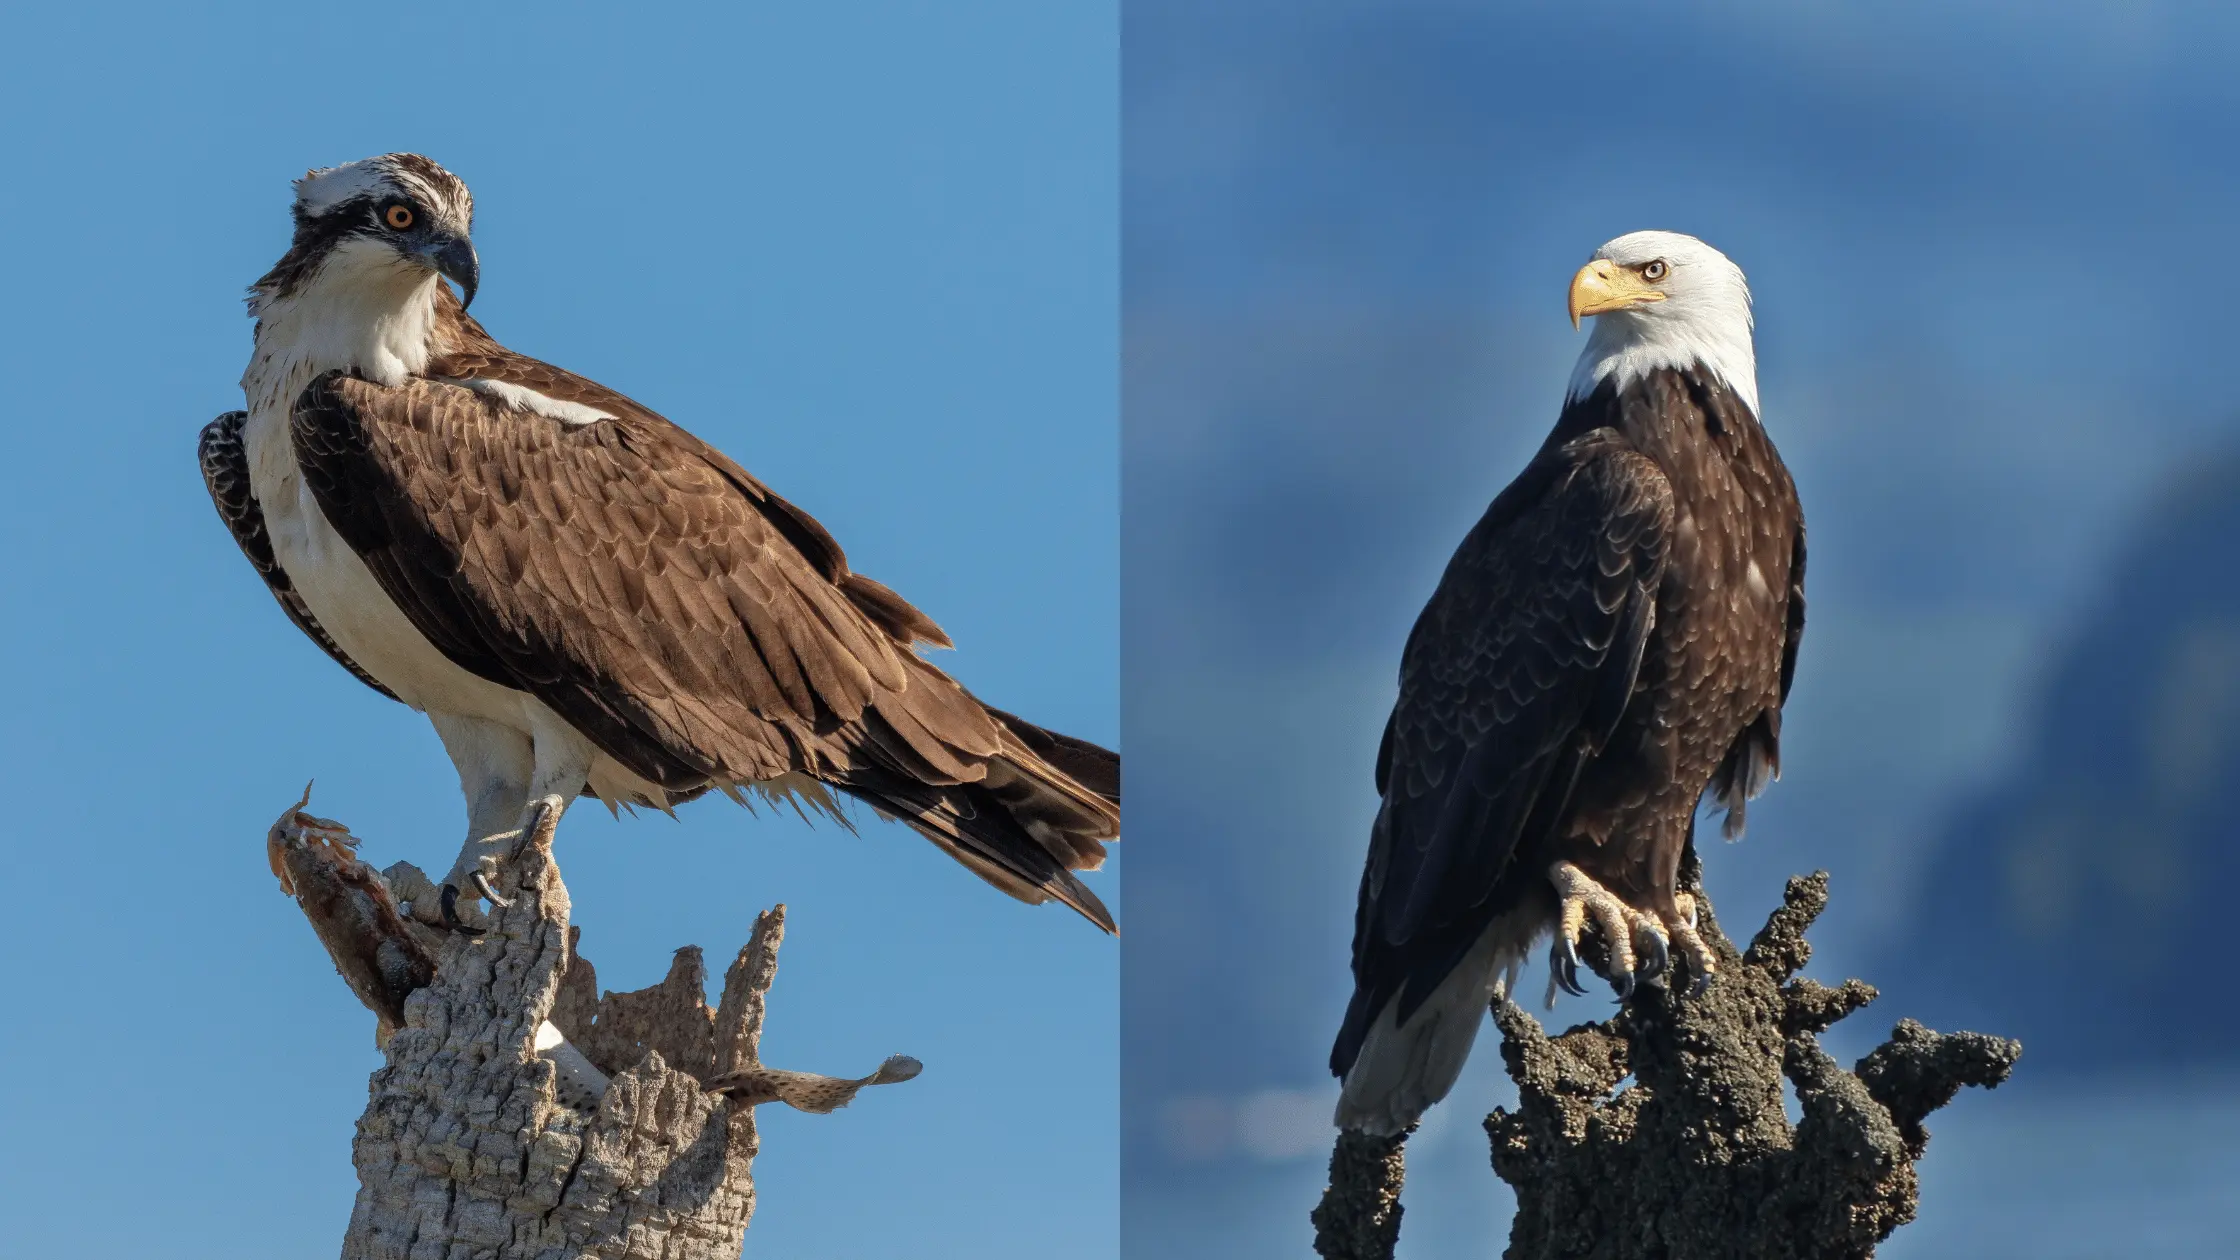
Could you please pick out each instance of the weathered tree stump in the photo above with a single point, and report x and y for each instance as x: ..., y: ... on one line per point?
x: 520, y: 1114
x: 1360, y: 1212
x: 1696, y: 1158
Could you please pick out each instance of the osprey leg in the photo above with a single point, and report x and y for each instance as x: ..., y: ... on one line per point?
x: 497, y: 766
x: 473, y: 878
x: 560, y: 765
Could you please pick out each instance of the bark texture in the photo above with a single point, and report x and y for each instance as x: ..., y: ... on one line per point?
x: 1695, y: 1159
x: 1360, y: 1213
x: 521, y: 1115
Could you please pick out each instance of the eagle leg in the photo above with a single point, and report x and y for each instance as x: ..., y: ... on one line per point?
x: 1635, y: 942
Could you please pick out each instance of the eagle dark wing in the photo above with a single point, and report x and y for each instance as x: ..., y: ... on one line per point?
x: 225, y: 470
x: 1755, y: 758
x: 1516, y: 672
x: 694, y: 626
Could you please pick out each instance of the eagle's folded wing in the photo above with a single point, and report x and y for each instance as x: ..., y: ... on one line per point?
x: 1516, y: 672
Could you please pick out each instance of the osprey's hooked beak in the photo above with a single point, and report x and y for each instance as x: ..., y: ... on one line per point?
x: 1602, y: 286
x: 453, y: 258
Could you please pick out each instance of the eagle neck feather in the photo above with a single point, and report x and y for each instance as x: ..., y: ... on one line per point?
x: 1626, y: 347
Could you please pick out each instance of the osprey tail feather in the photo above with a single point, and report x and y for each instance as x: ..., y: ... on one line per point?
x: 1027, y: 825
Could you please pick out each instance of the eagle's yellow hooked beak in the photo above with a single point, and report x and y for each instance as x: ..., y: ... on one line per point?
x: 1603, y: 285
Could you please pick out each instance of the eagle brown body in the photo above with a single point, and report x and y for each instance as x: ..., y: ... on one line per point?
x: 1616, y: 636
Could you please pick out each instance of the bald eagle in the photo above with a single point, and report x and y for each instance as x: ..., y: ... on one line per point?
x: 1613, y: 641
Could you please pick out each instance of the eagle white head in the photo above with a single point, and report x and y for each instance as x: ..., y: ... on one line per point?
x: 380, y: 222
x: 1663, y: 300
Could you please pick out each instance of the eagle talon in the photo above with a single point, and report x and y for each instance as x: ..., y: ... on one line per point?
x: 1636, y: 948
x: 1656, y: 957
x: 1563, y: 966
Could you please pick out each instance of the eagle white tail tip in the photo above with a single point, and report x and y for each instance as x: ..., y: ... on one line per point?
x: 1404, y: 1068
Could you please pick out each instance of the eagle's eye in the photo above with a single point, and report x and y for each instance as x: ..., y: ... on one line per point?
x: 1655, y: 271
x: 398, y: 216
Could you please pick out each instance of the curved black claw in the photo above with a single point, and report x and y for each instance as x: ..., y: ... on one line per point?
x: 489, y: 894
x: 450, y: 903
x: 1655, y: 958
x: 1623, y: 983
x: 1700, y: 984
x: 1563, y: 964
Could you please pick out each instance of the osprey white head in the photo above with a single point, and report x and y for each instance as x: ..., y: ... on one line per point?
x: 396, y: 218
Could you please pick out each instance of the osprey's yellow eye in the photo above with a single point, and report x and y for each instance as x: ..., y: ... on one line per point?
x: 398, y: 216
x: 1652, y: 273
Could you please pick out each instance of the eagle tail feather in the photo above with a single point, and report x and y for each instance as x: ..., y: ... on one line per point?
x: 1398, y: 1069
x: 1751, y: 765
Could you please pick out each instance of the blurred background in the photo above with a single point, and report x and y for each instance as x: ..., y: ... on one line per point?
x: 1989, y: 243
x: 870, y: 249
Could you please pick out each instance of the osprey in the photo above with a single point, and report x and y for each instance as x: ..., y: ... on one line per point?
x: 1615, y: 637
x: 583, y: 597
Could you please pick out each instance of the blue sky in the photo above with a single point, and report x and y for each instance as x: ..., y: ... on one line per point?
x: 868, y: 249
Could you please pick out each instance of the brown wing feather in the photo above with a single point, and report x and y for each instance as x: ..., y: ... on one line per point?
x: 473, y: 354
x: 1093, y: 767
x: 693, y: 625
